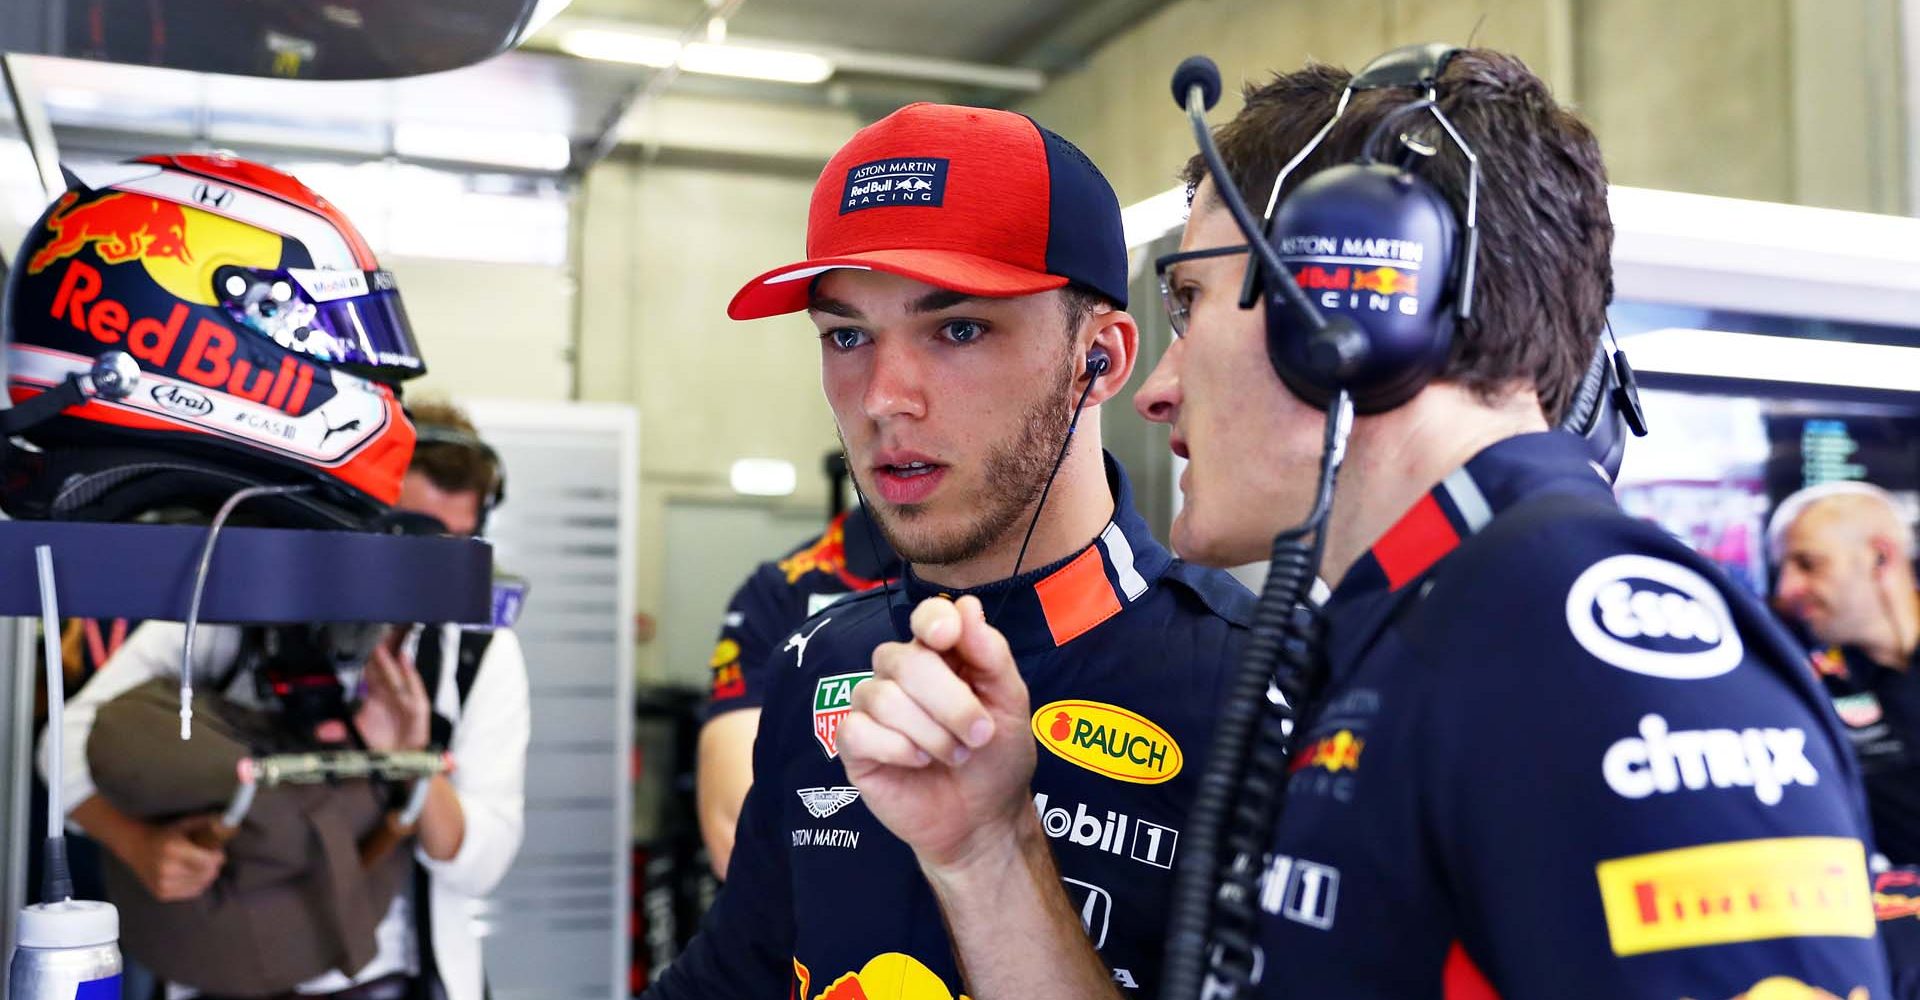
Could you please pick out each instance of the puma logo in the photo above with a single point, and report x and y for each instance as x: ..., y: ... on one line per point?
x: 351, y: 425
x: 799, y: 642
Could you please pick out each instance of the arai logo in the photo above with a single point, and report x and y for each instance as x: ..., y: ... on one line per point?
x: 1653, y: 617
x: 180, y: 399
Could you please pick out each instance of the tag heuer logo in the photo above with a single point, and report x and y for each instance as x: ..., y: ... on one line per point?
x: 902, y: 181
x: 824, y: 802
x: 832, y: 700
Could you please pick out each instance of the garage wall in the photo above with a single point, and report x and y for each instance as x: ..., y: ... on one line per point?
x: 1781, y: 100
x: 503, y: 331
x: 663, y: 248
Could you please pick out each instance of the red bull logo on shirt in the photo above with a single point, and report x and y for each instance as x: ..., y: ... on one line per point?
x: 1333, y: 754
x: 890, y: 976
x: 725, y: 664
x: 1789, y: 988
x: 1109, y: 740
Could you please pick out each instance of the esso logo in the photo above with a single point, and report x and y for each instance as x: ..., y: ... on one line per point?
x: 1653, y: 617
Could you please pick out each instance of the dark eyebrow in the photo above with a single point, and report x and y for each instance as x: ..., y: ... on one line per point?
x: 937, y: 300
x: 833, y: 307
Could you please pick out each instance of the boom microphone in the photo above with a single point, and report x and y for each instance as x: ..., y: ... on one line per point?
x: 1197, y: 71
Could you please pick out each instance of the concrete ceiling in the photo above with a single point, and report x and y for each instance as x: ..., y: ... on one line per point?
x: 105, y: 108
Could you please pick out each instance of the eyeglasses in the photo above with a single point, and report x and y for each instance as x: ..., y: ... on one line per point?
x: 1178, y: 305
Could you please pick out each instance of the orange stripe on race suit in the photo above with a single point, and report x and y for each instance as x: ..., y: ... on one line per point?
x: 1077, y: 597
x: 1415, y: 542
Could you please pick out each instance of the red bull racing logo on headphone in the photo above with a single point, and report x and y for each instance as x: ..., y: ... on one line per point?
x: 1357, y: 275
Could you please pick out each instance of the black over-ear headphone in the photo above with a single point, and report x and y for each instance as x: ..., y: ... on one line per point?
x: 432, y: 434
x: 1365, y: 268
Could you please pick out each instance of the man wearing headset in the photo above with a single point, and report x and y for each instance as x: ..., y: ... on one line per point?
x: 966, y: 272
x: 1543, y: 750
x: 470, y: 829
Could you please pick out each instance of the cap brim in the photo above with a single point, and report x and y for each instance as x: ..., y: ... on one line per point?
x: 785, y: 289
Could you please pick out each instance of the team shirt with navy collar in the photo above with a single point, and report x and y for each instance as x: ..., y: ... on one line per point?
x: 1123, y: 649
x: 1559, y: 755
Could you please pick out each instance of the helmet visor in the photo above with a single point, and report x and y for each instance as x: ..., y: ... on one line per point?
x: 348, y: 318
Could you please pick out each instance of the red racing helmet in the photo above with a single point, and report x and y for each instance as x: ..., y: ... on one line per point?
x: 269, y: 346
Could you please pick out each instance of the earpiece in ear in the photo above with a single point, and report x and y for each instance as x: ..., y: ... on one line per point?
x: 1097, y: 362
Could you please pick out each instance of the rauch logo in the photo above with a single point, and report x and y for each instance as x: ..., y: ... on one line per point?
x: 1109, y: 740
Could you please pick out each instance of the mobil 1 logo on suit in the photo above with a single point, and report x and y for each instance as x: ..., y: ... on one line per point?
x: 1107, y: 830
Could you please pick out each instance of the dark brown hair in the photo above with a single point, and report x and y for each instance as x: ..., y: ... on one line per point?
x: 452, y: 466
x: 1544, y: 269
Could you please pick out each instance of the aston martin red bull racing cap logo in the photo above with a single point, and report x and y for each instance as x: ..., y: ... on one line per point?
x: 908, y: 180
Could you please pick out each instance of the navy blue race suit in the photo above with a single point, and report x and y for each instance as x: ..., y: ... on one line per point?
x: 1123, y: 649
x: 1560, y: 755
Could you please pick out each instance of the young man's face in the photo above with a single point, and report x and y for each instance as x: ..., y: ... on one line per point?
x: 951, y: 408
x: 459, y: 510
x: 1252, y: 448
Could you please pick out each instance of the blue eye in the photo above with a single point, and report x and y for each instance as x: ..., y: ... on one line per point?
x: 846, y: 338
x: 964, y: 331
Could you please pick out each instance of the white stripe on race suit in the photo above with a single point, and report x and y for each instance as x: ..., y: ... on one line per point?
x: 1120, y: 552
x: 1467, y: 497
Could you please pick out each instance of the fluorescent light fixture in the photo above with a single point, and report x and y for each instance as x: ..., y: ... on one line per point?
x: 763, y: 477
x: 1721, y: 354
x: 756, y: 63
x: 620, y: 46
x: 752, y: 62
x: 490, y: 146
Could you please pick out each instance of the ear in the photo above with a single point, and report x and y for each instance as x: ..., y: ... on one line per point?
x: 1115, y: 332
x: 1885, y: 553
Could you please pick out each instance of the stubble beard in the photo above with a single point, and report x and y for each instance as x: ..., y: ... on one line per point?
x: 1014, y: 475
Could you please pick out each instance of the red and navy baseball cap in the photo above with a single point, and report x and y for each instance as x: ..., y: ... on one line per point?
x: 967, y: 199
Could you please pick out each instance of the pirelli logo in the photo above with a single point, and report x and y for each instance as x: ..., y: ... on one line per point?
x: 1748, y: 890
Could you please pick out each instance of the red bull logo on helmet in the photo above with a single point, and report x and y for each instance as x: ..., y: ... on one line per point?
x: 1109, y: 740
x: 120, y: 227
x: 204, y: 356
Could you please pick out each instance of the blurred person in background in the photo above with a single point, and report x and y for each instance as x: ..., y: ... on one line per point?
x: 849, y: 557
x: 1845, y: 556
x: 425, y: 946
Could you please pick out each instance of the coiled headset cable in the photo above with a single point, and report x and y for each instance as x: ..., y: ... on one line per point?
x: 1212, y: 943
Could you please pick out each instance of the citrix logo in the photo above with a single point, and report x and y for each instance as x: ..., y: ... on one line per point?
x: 1660, y: 761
